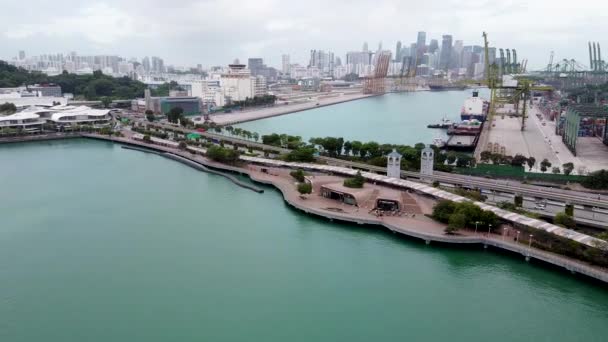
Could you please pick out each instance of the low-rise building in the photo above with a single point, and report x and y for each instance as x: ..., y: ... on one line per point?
x: 60, y: 118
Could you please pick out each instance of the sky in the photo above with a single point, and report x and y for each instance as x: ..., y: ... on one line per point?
x: 215, y: 32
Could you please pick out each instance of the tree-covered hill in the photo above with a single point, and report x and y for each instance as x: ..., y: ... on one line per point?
x: 89, y: 87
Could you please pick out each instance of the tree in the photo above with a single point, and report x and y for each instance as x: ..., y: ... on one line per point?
x: 519, y: 160
x: 301, y: 154
x: 496, y: 158
x: 485, y: 156
x: 556, y: 170
x: 8, y: 108
x: 596, y: 180
x: 106, y: 102
x: 568, y: 168
x: 304, y: 188
x: 147, y: 138
x: 355, y: 182
x: 457, y: 221
x: 531, y: 161
x: 182, y: 145
x: 149, y: 115
x: 175, y: 114
x: 544, y: 165
x: 222, y: 155
x: 443, y: 210
x: 451, y: 158
x: 562, y: 219
x: 298, y: 175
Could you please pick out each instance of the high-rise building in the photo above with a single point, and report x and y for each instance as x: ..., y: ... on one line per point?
x: 158, y: 65
x: 285, y: 66
x: 446, y: 52
x: 255, y: 65
x: 433, y: 46
x: 145, y: 62
x: 457, y: 54
x: 21, y: 55
x: 365, y: 47
x: 398, y: 51
x: 421, y: 44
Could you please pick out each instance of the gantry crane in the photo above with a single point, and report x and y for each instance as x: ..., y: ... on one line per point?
x: 514, y: 94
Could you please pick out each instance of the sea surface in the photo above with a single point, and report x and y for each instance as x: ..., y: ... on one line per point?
x: 396, y: 118
x: 99, y: 243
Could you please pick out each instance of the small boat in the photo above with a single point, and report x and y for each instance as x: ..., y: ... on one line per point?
x: 445, y: 123
x: 438, y: 142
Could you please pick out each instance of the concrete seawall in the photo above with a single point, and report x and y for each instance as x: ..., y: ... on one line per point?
x: 220, y: 117
x: 196, y: 165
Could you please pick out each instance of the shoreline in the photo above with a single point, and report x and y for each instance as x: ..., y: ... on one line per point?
x: 291, y: 198
x: 572, y: 265
x: 276, y: 110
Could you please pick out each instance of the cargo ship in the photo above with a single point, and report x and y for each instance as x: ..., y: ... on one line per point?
x: 475, y: 108
x: 446, y: 87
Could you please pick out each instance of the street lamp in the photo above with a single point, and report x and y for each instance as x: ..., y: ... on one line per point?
x: 518, y: 235
x: 504, y: 232
x: 476, y: 223
x: 489, y: 228
x: 530, y: 244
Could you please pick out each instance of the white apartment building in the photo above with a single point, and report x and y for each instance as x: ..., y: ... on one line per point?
x: 237, y: 83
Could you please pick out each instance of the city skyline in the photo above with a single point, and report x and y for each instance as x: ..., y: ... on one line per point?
x: 214, y: 32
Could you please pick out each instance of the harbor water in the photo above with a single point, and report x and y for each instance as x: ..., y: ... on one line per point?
x: 99, y: 243
x: 396, y: 118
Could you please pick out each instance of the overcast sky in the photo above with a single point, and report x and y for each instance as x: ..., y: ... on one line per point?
x: 214, y: 32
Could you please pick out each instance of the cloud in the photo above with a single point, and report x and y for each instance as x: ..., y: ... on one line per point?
x: 215, y: 32
x: 98, y: 23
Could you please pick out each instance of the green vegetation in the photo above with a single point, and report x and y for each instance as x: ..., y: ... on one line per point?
x: 355, y: 182
x: 564, y: 220
x: 8, y: 108
x: 301, y: 154
x: 182, y: 145
x: 545, y: 165
x: 253, y: 102
x: 462, y: 215
x: 163, y: 89
x: 223, y: 155
x: 149, y: 115
x: 304, y: 188
x: 596, y: 180
x: 283, y: 140
x: 175, y: 115
x: 90, y: 87
x: 147, y: 138
x: 298, y: 175
x: 474, y: 195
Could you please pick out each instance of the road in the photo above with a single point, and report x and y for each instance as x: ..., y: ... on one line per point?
x: 513, y: 187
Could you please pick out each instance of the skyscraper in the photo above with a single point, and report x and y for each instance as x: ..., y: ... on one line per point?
x: 285, y: 64
x: 255, y: 65
x: 446, y: 52
x: 433, y: 46
x: 146, y: 63
x: 365, y: 47
x: 420, y: 45
x: 21, y: 55
x: 398, y: 51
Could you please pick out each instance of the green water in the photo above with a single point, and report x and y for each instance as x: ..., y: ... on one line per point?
x: 98, y: 243
x: 393, y: 118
